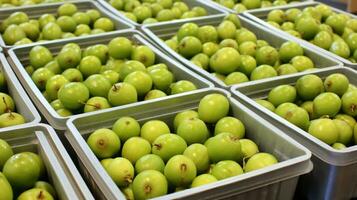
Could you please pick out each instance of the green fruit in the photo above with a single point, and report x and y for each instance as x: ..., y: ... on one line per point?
x: 149, y: 162
x: 190, y: 29
x: 226, y: 30
x: 41, y: 76
x: 21, y: 170
x: 121, y: 171
x: 193, y: 130
x: 67, y: 9
x: 207, y: 33
x: 230, y: 125
x: 154, y: 94
x: 111, y: 75
x: 64, y: 112
x: 336, y: 83
x: 225, y: 60
x: 282, y: 94
x: 190, y: 46
x: 338, y: 146
x: 141, y: 81
x: 73, y: 75
x: 324, y: 130
x: 35, y: 193
x: 135, y: 148
x: 309, y: 86
x: 168, y: 145
x: 346, y: 118
x: 11, y: 119
x: 284, y: 108
x: 248, y: 48
x: 340, y: 48
x: 96, y: 103
x: 232, y: 150
x: 267, y: 55
x: 259, y: 161
x: 69, y: 56
x: 6, y: 103
x: 5, y: 153
x: 226, y: 169
x: 199, y: 155
x: 286, y: 69
x: 51, y: 31
x: 126, y: 127
x: 47, y: 187
x: 289, y: 50
x: 308, y: 27
x: 153, y: 129
x: 245, y: 36
x: 98, y: 50
x: 40, y: 56
x: 90, y: 65
x: 183, y: 116
x: 182, y: 86
x: 235, y: 78
x: 249, y: 148
x: 6, y: 189
x: 120, y: 48
x: 297, y: 116
x: 323, y: 39
x: 210, y: 48
x: 345, y: 132
x: 203, y: 179
x: 130, y: 67
x: 31, y: 30
x: 53, y: 66
x: 302, y: 63
x: 98, y: 85
x: 54, y: 84
x: 104, y: 143
x: 165, y: 15
x: 266, y: 104
x: 228, y: 43
x: 143, y: 54
x: 252, y: 4
x: 122, y: 94
x: 73, y: 95
x: 149, y: 184
x: 327, y: 104
x: 66, y: 23
x: 337, y: 22
x: 12, y: 34
x: 277, y: 16
x: 217, y: 101
x: 142, y: 13
x: 247, y: 64
x: 180, y: 170
x: 262, y: 72
x: 349, y: 103
x: 104, y: 23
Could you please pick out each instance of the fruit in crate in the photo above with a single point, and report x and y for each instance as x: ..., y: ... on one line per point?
x: 243, y: 5
x: 10, y: 4
x: 148, y: 12
x: 158, y: 154
x: 18, y: 28
x: 321, y: 26
x: 234, y: 54
x: 22, y: 175
x: 101, y: 76
x: 325, y: 108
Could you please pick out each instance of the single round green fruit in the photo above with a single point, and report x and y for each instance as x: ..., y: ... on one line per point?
x: 168, y: 145
x: 226, y: 169
x: 217, y: 101
x: 324, y: 130
x: 149, y: 184
x: 149, y: 162
x: 135, y: 148
x: 259, y: 161
x: 180, y: 170
x: 199, y: 155
x: 104, y: 143
x: 126, y: 127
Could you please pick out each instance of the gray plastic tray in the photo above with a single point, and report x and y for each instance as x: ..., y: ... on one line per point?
x: 274, y: 182
x: 272, y: 7
x: 211, y: 10
x: 19, y: 58
x: 36, y: 11
x: 260, y: 16
x: 164, y: 31
x: 335, y: 172
x: 23, y: 103
x: 61, y: 171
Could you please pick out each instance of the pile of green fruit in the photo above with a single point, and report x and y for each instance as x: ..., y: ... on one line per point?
x: 18, y: 28
x: 234, y: 55
x: 8, y: 116
x: 22, y: 174
x: 101, y: 76
x: 243, y: 5
x: 13, y: 3
x: 321, y: 26
x: 152, y: 11
x: 207, y: 146
x: 326, y: 109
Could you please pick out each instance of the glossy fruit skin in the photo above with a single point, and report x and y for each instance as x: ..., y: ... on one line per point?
x: 203, y: 179
x: 11, y: 119
x: 262, y: 72
x: 217, y: 101
x: 46, y: 186
x: 267, y: 55
x: 54, y: 84
x: 122, y: 93
x: 135, y: 148
x: 327, y: 104
x: 141, y: 81
x: 225, y: 169
x: 22, y: 171
x: 325, y: 130
x: 5, y: 152
x: 6, y: 103
x: 121, y: 171
x: 104, y: 143
x: 298, y: 116
x: 143, y: 54
x: 162, y: 79
x: 336, y: 83
x: 6, y: 189
x: 349, y: 103
x: 73, y: 95
x: 232, y: 151
x: 345, y: 131
x: 231, y: 125
x: 309, y: 86
x: 168, y: 145
x: 98, y: 85
x: 225, y: 60
x: 126, y: 127
x: 184, y: 115
x: 182, y: 86
x: 282, y: 94
x: 199, y: 155
x: 35, y: 193
x: 41, y: 76
x: 289, y: 50
x: 95, y: 104
x: 302, y: 63
x: 90, y: 65
x: 153, y: 129
x: 266, y: 104
x: 190, y: 46
x: 193, y: 130
x: 180, y: 170
x: 259, y: 161
x: 149, y: 162
x: 149, y: 184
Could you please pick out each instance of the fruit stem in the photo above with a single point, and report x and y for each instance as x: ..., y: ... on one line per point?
x: 7, y: 109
